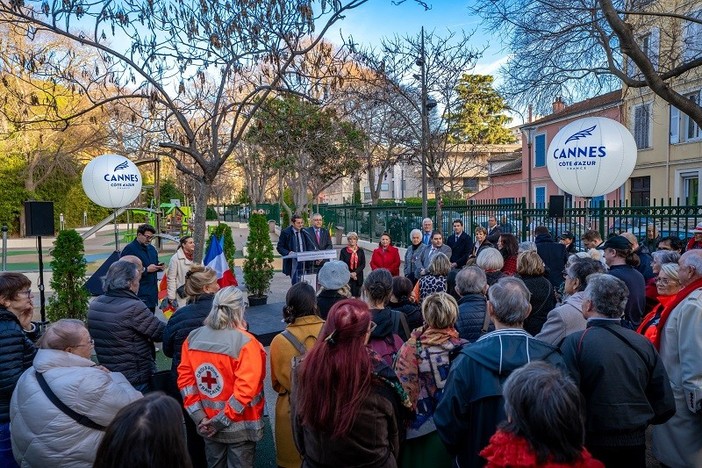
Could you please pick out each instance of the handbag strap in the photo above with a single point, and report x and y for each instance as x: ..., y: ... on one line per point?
x: 486, y: 323
x: 79, y: 418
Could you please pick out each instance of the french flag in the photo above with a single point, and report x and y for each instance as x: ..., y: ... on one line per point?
x: 214, y: 258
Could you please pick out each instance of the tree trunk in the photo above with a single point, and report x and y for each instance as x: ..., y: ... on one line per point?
x: 200, y: 221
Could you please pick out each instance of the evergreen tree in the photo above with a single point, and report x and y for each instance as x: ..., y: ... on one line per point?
x: 223, y: 229
x: 70, y: 299
x: 478, y: 116
x: 258, y: 266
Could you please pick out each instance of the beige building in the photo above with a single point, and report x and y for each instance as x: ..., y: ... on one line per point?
x: 669, y: 143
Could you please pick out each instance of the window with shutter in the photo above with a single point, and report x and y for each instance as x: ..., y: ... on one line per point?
x: 642, y: 120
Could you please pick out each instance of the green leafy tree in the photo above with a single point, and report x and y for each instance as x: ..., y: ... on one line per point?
x: 313, y: 147
x: 70, y: 299
x: 223, y: 229
x: 478, y: 113
x: 258, y: 265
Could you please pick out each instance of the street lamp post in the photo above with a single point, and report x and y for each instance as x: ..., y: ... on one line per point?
x: 529, y: 134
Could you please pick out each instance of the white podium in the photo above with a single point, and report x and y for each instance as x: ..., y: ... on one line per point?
x: 308, y: 274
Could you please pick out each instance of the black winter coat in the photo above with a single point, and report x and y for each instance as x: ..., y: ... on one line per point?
x: 183, y: 321
x: 471, y: 316
x: 16, y: 355
x: 554, y: 256
x: 326, y: 299
x: 543, y: 301
x: 412, y: 311
x: 125, y: 330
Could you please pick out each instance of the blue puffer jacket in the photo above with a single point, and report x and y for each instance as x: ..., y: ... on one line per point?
x: 17, y: 353
x: 471, y: 316
x: 183, y: 321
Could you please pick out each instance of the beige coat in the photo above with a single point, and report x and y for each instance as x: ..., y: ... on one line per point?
x: 177, y: 268
x: 305, y: 329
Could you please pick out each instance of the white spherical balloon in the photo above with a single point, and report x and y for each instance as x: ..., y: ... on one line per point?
x: 591, y: 157
x: 112, y: 181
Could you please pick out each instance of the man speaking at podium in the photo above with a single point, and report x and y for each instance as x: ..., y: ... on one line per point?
x: 294, y: 239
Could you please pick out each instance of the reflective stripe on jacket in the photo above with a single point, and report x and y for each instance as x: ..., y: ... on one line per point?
x: 221, y: 377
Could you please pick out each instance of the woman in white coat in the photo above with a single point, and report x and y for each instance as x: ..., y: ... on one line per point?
x: 180, y: 264
x: 43, y: 434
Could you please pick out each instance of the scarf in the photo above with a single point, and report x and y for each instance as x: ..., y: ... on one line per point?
x: 353, y: 262
x: 415, y: 247
x: 418, y: 362
x: 509, y: 450
x: 190, y: 255
x: 682, y: 294
x: 647, y: 327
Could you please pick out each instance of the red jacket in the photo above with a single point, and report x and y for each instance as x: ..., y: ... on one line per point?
x: 508, y: 450
x: 221, y: 376
x: 389, y: 259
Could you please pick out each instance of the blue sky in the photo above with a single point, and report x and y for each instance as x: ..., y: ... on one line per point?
x: 378, y: 18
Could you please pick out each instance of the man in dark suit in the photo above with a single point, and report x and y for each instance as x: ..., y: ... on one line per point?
x: 461, y: 245
x: 141, y: 248
x: 494, y: 230
x: 294, y: 239
x: 321, y: 239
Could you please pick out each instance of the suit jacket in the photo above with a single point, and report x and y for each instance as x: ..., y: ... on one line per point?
x: 325, y: 242
x: 148, y: 285
x: 494, y: 234
x: 287, y: 243
x: 425, y: 258
x: 460, y: 249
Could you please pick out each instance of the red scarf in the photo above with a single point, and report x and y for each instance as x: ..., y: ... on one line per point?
x: 190, y: 255
x: 509, y: 450
x: 353, y: 262
x: 682, y: 294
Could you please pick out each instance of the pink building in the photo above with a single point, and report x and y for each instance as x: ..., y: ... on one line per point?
x: 510, y: 178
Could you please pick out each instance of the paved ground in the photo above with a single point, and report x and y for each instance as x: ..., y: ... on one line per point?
x: 265, y: 321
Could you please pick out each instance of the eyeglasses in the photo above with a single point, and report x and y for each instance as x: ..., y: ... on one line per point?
x: 665, y: 281
x: 372, y: 327
x: 27, y: 294
x: 90, y: 343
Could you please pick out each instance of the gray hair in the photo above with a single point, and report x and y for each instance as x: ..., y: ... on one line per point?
x: 582, y: 268
x: 665, y: 256
x: 352, y: 234
x: 120, y: 275
x: 62, y: 334
x: 415, y: 231
x: 427, y: 219
x: 439, y: 265
x: 471, y: 280
x: 490, y: 259
x: 315, y: 215
x: 692, y: 258
x: 608, y: 294
x: 227, y: 309
x: 510, y: 300
x: 526, y: 246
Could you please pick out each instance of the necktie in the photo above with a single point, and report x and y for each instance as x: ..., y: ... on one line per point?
x: 317, y: 233
x: 299, y: 242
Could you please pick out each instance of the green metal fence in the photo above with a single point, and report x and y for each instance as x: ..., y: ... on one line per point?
x: 516, y: 217
x: 241, y: 213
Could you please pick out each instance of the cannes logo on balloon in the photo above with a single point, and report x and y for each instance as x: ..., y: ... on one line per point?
x: 577, y: 151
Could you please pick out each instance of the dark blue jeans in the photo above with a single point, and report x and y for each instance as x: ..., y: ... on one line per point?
x: 6, y: 458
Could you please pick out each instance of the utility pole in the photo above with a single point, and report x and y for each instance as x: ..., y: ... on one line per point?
x: 425, y: 123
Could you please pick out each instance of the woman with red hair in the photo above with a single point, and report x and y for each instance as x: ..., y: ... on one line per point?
x: 347, y: 403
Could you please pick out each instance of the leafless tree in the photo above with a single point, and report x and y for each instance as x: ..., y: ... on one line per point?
x: 581, y: 48
x: 203, y: 67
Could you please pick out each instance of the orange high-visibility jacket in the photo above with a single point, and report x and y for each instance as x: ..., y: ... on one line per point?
x: 221, y: 376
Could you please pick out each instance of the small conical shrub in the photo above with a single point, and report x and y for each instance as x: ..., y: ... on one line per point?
x: 70, y: 299
x: 258, y: 265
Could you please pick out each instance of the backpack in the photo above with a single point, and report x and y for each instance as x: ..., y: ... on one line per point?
x: 296, y: 360
x: 387, y: 347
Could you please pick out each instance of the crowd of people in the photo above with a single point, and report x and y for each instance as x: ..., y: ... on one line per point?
x: 486, y: 352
